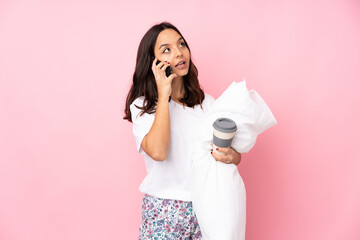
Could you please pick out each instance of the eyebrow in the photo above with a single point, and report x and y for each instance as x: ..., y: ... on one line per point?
x: 162, y: 45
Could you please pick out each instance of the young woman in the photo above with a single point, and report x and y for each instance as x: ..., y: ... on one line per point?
x: 165, y: 111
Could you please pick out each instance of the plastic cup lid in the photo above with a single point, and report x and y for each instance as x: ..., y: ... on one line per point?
x: 225, y: 125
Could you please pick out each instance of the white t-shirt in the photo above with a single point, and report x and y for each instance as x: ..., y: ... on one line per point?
x: 169, y: 178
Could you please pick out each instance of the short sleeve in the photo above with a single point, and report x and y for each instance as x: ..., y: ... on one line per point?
x: 141, y: 124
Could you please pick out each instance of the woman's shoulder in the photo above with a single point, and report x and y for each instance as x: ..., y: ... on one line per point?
x: 208, y: 98
x: 136, y: 105
x: 139, y: 101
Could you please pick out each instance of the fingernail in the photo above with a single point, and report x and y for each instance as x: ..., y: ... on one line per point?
x: 217, y: 149
x: 211, y: 152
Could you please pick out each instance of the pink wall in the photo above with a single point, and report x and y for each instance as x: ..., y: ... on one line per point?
x: 68, y: 163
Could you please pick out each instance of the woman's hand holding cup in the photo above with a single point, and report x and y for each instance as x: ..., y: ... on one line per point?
x: 224, y: 131
x: 228, y: 155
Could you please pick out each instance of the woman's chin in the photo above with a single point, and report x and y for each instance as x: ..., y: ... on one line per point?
x: 182, y: 73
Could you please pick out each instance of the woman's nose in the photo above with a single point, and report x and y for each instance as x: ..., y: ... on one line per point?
x: 177, y: 52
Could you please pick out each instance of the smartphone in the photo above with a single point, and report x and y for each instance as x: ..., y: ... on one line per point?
x: 168, y: 70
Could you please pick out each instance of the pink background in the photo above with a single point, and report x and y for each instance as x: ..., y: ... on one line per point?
x: 69, y: 168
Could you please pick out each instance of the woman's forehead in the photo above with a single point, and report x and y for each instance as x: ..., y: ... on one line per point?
x: 167, y: 36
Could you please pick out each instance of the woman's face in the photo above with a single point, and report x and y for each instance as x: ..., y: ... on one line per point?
x: 171, y: 47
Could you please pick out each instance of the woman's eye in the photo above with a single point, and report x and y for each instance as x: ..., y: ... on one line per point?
x: 183, y: 44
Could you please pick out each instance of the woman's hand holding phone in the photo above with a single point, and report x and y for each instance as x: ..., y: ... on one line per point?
x: 163, y: 83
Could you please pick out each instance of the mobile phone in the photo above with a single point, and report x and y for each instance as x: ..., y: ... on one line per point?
x: 168, y: 70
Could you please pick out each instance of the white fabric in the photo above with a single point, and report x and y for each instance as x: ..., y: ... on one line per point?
x: 169, y: 178
x: 218, y: 191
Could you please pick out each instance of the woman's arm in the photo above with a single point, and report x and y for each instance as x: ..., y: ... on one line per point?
x: 156, y: 142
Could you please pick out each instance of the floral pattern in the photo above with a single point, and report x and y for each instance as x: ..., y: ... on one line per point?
x: 168, y: 219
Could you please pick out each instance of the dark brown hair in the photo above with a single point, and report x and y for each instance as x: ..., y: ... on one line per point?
x: 144, y: 83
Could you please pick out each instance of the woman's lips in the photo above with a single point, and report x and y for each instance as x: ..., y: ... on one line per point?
x: 181, y: 65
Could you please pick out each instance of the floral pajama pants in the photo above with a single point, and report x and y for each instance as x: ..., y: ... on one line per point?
x: 168, y: 219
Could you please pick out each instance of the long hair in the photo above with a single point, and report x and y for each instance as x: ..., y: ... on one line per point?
x: 144, y: 83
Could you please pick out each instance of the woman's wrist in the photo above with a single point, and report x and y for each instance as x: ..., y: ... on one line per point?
x: 163, y: 98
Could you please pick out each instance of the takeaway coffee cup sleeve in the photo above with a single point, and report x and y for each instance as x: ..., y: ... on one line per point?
x: 224, y: 131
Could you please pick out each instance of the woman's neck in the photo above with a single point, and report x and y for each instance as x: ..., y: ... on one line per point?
x: 177, y: 88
